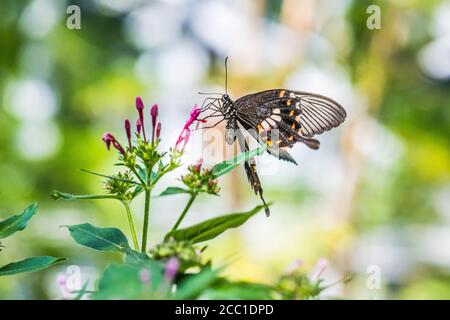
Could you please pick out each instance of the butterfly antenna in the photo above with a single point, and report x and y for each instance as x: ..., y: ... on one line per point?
x: 226, y: 75
x: 209, y: 92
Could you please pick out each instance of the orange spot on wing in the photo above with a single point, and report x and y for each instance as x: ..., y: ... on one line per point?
x: 260, y: 128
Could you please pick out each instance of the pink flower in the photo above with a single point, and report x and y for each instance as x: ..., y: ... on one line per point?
x: 186, y: 132
x: 140, y: 109
x: 109, y: 139
x: 172, y: 266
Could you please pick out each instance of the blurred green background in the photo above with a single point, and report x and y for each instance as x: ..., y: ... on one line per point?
x: 376, y: 196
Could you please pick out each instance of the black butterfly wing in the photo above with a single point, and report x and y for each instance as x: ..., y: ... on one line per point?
x: 297, y: 115
x: 281, y: 153
x: 250, y: 170
x: 318, y: 113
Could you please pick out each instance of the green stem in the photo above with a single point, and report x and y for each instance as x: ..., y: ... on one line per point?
x: 185, y: 210
x: 131, y: 223
x: 146, y: 218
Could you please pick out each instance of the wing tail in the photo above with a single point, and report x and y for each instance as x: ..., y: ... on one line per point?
x: 250, y: 170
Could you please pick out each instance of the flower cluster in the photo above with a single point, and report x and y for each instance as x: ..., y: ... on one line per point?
x: 295, y: 284
x: 121, y: 185
x: 145, y: 148
x: 186, y: 254
x: 200, y: 179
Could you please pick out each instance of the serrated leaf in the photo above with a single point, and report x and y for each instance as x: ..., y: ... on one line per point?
x: 17, y: 222
x: 29, y: 265
x: 228, y: 165
x: 102, y: 239
x: 174, y: 190
x: 211, y: 228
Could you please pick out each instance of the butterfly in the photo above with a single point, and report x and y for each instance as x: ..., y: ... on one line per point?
x: 277, y: 119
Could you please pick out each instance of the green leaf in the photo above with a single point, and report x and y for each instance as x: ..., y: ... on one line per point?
x: 67, y: 196
x: 123, y: 281
x: 102, y: 239
x: 137, y: 190
x: 174, y: 190
x: 110, y: 177
x: 211, y: 228
x: 136, y: 257
x: 142, y: 172
x: 193, y: 285
x: 17, y: 222
x: 153, y: 176
x: 228, y: 165
x: 29, y: 265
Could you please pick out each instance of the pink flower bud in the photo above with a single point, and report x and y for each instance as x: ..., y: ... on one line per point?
x: 138, y: 126
x: 198, y: 165
x: 158, y: 130
x: 140, y: 108
x: 109, y: 139
x: 128, y: 131
x: 139, y: 104
x: 171, y: 269
x: 154, y: 115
